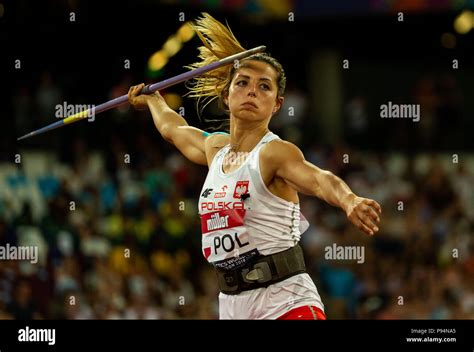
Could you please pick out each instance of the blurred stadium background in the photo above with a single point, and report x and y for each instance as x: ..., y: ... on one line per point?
x: 149, y: 205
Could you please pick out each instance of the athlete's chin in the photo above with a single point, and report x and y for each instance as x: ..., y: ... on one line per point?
x: 249, y: 115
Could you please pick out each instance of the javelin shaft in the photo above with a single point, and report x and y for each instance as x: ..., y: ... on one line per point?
x: 149, y: 89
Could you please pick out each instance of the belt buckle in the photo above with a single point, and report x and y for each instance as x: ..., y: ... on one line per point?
x: 260, y: 273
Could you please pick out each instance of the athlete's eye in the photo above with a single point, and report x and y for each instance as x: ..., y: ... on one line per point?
x: 265, y: 86
x: 241, y: 83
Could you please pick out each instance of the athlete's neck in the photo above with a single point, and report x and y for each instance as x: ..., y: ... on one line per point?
x: 245, y: 135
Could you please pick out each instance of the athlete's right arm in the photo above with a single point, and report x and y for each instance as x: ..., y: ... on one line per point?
x: 189, y: 140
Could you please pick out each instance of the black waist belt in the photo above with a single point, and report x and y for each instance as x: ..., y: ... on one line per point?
x: 262, y: 272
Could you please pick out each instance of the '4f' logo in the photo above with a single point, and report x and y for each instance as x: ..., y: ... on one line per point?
x: 206, y: 192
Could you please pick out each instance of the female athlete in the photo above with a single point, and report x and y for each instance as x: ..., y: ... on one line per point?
x: 249, y: 204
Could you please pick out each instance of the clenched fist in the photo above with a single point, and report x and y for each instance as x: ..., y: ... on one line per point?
x: 140, y: 101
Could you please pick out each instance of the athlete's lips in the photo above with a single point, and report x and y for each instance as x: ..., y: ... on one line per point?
x: 249, y: 104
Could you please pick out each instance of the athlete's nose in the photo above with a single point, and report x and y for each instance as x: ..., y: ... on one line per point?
x: 252, y: 91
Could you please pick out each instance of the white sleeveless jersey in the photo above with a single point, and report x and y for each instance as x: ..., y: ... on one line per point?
x: 240, y: 219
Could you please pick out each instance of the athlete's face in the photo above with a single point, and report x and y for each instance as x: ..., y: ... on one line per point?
x: 253, y: 91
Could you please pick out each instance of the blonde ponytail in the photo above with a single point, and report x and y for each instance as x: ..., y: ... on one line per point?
x: 219, y: 42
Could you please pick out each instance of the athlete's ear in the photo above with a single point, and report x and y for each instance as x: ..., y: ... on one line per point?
x: 278, y: 105
x: 225, y: 97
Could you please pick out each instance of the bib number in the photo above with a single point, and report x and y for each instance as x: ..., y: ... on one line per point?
x: 225, y: 240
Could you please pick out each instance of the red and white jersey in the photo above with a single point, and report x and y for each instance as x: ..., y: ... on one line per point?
x: 240, y: 219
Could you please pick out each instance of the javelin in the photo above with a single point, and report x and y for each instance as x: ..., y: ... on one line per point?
x: 146, y: 90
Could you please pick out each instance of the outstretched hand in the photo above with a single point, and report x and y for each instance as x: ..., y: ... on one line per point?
x: 364, y: 213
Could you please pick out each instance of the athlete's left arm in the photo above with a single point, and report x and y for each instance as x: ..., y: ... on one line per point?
x: 288, y: 163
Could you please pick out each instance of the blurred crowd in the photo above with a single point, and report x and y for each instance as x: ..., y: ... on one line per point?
x: 421, y: 265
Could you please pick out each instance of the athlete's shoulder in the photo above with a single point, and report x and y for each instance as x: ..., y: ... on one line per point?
x: 280, y: 150
x: 216, y: 139
x: 213, y: 143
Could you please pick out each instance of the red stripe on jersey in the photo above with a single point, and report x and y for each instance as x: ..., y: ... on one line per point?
x: 207, y: 252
